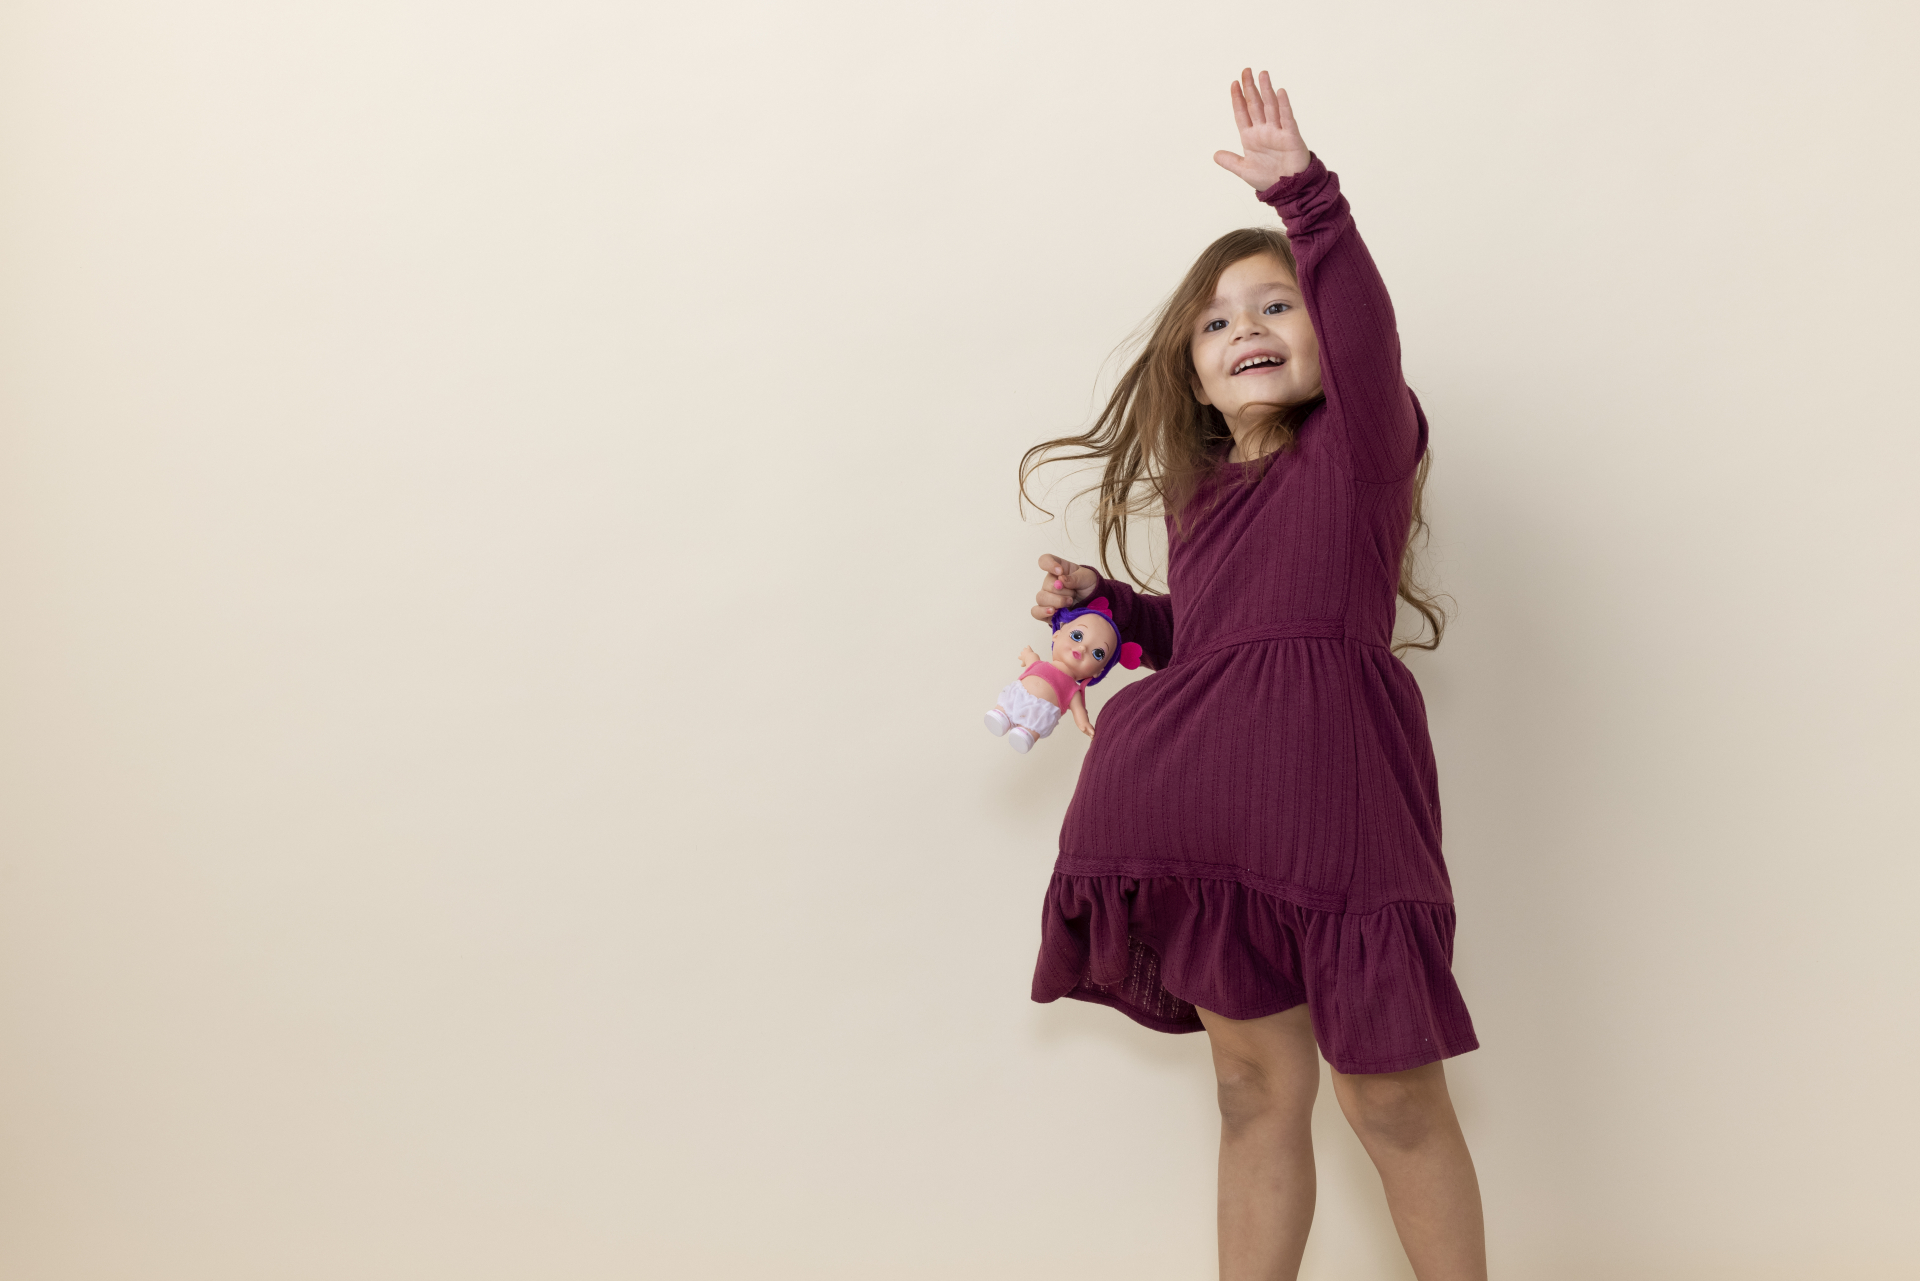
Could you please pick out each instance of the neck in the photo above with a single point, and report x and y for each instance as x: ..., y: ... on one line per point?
x: 1250, y: 441
x: 1257, y: 428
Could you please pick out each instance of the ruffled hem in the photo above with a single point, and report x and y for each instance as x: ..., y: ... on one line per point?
x: 1378, y: 985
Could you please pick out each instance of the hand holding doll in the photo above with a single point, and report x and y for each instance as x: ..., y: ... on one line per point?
x: 1065, y: 585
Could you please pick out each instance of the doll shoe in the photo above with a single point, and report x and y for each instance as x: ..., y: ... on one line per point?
x: 1021, y: 740
x: 998, y: 722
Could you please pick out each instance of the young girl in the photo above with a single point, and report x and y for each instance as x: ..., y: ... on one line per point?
x: 1254, y: 844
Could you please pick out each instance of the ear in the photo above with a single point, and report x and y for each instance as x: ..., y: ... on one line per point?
x: 1199, y: 392
x: 1130, y: 655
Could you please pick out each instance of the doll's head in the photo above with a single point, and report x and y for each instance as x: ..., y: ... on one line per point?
x: 1086, y: 641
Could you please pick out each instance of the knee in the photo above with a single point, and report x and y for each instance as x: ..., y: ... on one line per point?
x: 1252, y: 1093
x: 1397, y: 1109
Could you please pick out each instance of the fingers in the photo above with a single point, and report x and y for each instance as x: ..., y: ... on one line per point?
x: 1259, y: 103
x: 1050, y: 598
x: 1282, y: 110
x: 1056, y: 589
x: 1062, y: 572
x: 1065, y: 583
x: 1233, y: 163
x: 1240, y: 116
x: 1270, y: 102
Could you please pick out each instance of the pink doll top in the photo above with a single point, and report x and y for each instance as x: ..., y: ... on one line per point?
x: 1063, y: 685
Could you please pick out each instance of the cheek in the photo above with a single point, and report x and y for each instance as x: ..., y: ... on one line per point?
x: 1309, y: 341
x: 1306, y: 349
x: 1211, y: 383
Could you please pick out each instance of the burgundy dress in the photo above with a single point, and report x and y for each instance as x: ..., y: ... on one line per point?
x: 1257, y: 824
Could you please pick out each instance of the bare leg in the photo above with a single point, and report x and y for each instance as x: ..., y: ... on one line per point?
x: 1268, y: 1071
x: 1405, y: 1121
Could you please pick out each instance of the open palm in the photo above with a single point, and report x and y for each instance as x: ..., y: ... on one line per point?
x: 1268, y: 134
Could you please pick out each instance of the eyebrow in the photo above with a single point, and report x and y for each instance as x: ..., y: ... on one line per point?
x: 1216, y: 300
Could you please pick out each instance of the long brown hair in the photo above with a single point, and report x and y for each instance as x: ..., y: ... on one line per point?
x: 1159, y: 443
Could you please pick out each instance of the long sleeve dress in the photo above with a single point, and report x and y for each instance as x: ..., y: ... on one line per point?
x: 1257, y: 824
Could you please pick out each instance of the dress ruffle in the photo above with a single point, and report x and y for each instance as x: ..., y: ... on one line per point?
x: 1378, y: 985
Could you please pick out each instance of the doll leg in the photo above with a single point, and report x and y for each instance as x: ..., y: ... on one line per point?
x: 1028, y: 719
x: 998, y: 722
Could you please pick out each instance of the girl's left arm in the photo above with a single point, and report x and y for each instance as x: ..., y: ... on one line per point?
x: 1346, y: 299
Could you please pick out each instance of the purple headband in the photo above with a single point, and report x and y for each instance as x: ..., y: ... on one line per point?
x: 1129, y: 653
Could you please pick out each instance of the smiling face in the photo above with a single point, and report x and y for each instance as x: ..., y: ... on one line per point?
x: 1253, y: 345
x: 1083, y: 645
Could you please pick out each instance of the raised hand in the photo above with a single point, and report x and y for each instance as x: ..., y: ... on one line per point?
x: 1065, y: 586
x: 1268, y: 134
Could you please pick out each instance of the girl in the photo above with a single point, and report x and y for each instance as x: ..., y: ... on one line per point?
x: 1253, y: 847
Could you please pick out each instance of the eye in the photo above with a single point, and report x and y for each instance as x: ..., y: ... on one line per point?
x: 1100, y: 653
x: 1077, y: 635
x: 1275, y: 308
x: 1213, y: 325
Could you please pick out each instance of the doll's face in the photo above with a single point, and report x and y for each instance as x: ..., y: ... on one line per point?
x: 1083, y: 645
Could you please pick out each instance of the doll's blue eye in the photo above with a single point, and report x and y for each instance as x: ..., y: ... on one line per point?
x: 1077, y: 635
x: 1099, y: 653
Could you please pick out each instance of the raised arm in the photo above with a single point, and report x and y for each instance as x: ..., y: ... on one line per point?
x: 1346, y: 299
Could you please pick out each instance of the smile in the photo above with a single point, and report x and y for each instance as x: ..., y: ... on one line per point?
x: 1258, y: 362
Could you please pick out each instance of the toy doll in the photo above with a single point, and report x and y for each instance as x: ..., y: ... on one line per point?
x: 1085, y: 644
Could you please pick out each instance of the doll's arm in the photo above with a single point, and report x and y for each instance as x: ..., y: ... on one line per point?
x: 1079, y: 709
x: 1027, y: 657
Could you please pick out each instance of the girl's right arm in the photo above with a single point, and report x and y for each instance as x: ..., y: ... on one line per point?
x: 1346, y: 299
x: 1142, y: 617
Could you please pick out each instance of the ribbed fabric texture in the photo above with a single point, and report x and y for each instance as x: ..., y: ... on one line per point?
x: 1258, y: 823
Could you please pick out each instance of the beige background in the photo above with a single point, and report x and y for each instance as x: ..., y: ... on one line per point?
x: 507, y: 527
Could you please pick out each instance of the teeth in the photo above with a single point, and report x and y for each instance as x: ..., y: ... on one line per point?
x: 1257, y: 360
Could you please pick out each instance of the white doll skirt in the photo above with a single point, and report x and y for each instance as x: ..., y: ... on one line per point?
x: 1024, y: 708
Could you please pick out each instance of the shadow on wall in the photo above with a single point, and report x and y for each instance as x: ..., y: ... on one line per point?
x: 1517, y: 699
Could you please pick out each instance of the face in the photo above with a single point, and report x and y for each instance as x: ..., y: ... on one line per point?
x: 1253, y: 344
x: 1083, y: 645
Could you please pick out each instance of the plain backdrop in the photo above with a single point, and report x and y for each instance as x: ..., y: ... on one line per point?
x: 508, y: 525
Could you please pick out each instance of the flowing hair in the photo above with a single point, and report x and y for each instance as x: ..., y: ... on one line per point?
x: 1159, y: 442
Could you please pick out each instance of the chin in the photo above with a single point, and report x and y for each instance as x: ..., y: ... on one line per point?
x: 1280, y: 398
